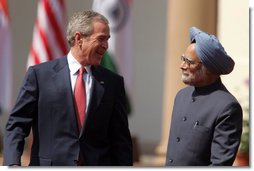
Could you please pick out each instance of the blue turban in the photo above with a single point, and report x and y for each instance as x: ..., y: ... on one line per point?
x: 210, y: 52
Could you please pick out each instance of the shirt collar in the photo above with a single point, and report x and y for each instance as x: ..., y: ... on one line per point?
x: 74, y: 65
x: 209, y: 88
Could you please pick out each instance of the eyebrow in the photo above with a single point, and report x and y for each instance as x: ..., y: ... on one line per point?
x: 103, y: 36
x: 188, y: 58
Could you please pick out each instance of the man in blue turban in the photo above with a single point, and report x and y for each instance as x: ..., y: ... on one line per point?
x: 206, y: 123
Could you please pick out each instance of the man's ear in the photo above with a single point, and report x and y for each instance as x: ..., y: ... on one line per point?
x: 78, y: 38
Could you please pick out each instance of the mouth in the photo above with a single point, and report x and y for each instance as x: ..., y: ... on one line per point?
x: 100, y: 52
x: 185, y: 73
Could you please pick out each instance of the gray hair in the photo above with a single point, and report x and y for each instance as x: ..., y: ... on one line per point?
x: 83, y: 22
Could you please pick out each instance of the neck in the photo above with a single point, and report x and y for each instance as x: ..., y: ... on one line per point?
x: 75, y: 53
x: 209, y: 79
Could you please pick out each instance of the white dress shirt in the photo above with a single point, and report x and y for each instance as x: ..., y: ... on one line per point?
x: 74, y: 66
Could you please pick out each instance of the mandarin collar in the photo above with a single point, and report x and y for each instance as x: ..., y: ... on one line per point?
x: 209, y: 88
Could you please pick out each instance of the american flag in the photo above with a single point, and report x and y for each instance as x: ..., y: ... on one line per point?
x: 49, y: 35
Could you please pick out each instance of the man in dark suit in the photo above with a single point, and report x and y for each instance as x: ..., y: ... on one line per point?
x: 48, y: 104
x: 206, y: 122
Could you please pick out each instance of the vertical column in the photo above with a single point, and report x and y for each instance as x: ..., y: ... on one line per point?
x: 234, y: 32
x: 182, y: 15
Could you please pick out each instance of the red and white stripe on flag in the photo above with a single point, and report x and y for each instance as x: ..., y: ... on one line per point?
x: 49, y: 35
x: 5, y: 58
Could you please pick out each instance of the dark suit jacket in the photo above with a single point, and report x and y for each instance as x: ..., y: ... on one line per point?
x: 45, y: 104
x: 206, y: 127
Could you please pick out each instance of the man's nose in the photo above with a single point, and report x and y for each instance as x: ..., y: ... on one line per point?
x: 105, y: 45
x: 183, y: 65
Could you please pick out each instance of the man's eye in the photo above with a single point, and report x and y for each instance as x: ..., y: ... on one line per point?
x: 100, y: 39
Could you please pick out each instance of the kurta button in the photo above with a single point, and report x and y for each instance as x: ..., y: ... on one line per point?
x: 170, y: 160
x: 177, y: 139
x: 184, y: 118
x: 193, y: 99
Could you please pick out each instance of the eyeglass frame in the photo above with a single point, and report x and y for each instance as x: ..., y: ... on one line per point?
x: 188, y: 61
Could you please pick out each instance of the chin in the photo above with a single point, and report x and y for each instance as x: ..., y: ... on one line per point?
x: 186, y: 80
x: 96, y: 63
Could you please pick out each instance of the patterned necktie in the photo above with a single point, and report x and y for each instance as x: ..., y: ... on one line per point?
x: 80, y: 98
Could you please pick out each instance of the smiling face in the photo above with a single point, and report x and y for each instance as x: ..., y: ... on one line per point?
x: 96, y: 44
x: 90, y: 49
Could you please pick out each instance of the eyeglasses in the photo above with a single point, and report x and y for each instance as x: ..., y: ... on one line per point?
x: 188, y: 61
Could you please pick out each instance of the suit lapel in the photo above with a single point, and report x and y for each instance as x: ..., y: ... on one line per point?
x: 62, y: 81
x: 97, y: 94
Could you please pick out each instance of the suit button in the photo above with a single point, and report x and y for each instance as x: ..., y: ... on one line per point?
x: 184, y: 118
x: 177, y: 139
x: 170, y: 160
